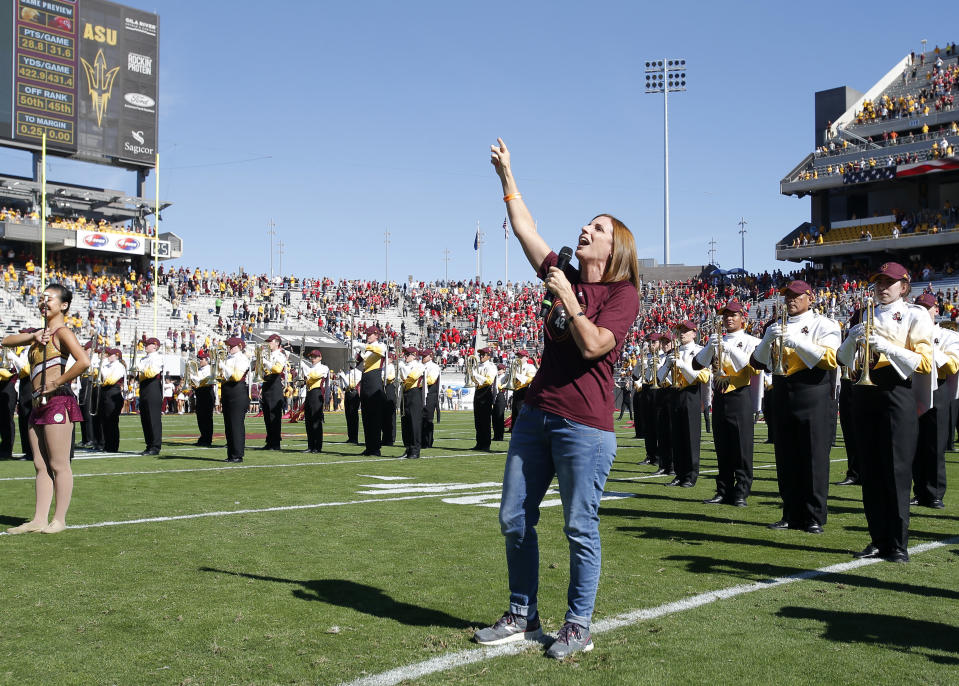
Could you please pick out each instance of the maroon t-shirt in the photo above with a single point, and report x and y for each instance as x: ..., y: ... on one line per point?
x: 567, y: 384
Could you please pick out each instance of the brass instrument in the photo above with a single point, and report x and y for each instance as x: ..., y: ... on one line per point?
x: 777, y: 352
x: 192, y: 369
x: 133, y: 353
x: 654, y: 362
x: 515, y: 369
x: 718, y: 358
x: 472, y: 363
x: 675, y: 373
x: 260, y: 357
x: 863, y: 351
x: 218, y: 357
x: 642, y: 365
x: 96, y: 383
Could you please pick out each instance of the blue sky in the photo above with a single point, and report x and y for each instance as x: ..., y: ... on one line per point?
x: 339, y: 121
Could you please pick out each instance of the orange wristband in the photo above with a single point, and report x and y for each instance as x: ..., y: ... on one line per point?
x: 512, y: 196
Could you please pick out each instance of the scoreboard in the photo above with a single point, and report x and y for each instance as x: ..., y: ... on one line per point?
x: 84, y: 72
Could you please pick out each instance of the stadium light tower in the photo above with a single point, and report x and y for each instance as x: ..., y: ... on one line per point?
x: 742, y: 234
x: 272, y: 232
x: 665, y: 76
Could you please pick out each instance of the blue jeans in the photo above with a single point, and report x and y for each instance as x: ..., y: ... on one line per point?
x: 544, y: 445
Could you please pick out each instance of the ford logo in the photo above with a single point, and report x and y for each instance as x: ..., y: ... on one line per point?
x: 96, y: 240
x: 139, y: 100
x: 128, y: 244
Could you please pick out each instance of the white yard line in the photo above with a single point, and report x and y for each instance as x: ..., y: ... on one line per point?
x: 240, y: 467
x: 227, y: 513
x: 465, y: 657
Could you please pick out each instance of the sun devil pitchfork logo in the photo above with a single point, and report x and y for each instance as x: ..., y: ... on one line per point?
x: 100, y: 83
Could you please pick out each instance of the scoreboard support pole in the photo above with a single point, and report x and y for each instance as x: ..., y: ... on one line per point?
x: 43, y: 215
x: 156, y: 246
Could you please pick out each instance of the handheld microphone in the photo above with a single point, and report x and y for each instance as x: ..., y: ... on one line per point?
x: 561, y: 263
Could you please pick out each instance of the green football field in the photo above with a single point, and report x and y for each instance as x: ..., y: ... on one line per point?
x: 296, y: 568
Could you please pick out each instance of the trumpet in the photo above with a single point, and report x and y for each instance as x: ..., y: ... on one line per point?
x: 779, y: 347
x: 654, y: 364
x: 863, y: 351
x: 96, y: 385
x: 472, y: 363
x: 676, y: 375
x: 718, y: 359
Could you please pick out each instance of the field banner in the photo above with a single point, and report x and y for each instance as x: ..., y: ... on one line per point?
x: 111, y: 242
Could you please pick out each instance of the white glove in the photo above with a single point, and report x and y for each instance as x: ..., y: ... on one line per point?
x: 793, y: 342
x: 773, y: 331
x: 857, y: 331
x: 714, y: 339
x: 879, y: 344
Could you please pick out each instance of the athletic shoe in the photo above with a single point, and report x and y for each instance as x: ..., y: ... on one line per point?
x: 509, y: 628
x: 572, y: 638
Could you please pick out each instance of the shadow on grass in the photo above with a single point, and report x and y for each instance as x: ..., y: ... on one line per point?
x: 899, y: 633
x: 11, y: 521
x: 634, y: 513
x: 190, y: 457
x: 760, y: 572
x: 360, y: 597
x: 700, y: 538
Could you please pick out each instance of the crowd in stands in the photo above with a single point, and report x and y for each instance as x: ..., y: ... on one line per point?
x: 8, y: 214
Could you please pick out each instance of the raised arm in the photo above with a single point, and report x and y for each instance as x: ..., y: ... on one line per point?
x: 524, y: 228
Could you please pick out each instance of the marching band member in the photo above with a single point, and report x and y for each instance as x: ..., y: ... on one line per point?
x: 411, y: 376
x: 929, y: 466
x: 800, y: 407
x: 84, y: 397
x: 372, y: 395
x: 271, y: 392
x: 626, y: 389
x: 24, y: 396
x: 110, y: 403
x: 431, y: 373
x: 235, y: 398
x: 349, y: 382
x: 521, y: 383
x: 885, y: 412
x: 204, y: 395
x: 389, y: 407
x: 149, y: 370
x: 315, y: 373
x: 666, y: 402
x: 687, y: 384
x: 8, y: 403
x: 846, y: 420
x: 499, y: 402
x: 733, y: 403
x: 484, y: 376
x: 655, y: 417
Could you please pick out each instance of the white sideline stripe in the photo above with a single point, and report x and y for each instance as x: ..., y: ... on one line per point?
x: 251, y: 466
x: 335, y: 462
x: 466, y: 657
x: 225, y: 513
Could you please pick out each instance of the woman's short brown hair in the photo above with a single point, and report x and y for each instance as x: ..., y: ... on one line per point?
x: 622, y: 264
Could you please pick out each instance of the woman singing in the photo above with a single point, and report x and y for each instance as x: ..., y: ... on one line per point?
x: 51, y: 422
x: 565, y: 427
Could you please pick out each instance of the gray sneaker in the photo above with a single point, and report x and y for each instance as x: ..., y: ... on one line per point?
x: 571, y: 639
x: 509, y: 628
